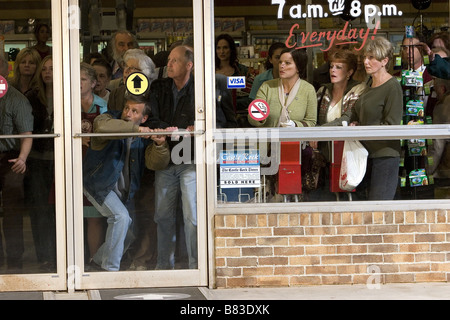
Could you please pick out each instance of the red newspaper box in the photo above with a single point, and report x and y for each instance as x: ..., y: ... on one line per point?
x: 289, y: 173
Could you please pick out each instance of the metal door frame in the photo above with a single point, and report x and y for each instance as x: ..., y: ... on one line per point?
x: 79, y: 279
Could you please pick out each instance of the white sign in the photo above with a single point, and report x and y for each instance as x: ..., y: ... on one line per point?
x: 239, y: 169
x: 236, y: 83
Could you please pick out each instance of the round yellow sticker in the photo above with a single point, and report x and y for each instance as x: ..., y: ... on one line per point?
x: 137, y: 83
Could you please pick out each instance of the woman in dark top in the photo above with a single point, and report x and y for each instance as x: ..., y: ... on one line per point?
x: 380, y: 104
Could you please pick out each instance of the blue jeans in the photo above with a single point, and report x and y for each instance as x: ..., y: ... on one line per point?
x: 118, y: 234
x: 167, y: 183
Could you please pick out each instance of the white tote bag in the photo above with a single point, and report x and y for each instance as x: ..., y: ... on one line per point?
x: 353, y: 166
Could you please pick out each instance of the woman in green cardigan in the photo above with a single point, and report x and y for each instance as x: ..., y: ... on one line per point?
x: 292, y: 100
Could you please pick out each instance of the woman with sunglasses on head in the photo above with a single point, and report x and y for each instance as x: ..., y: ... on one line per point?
x: 380, y: 104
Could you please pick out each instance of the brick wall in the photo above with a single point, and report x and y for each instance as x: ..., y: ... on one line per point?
x: 331, y: 248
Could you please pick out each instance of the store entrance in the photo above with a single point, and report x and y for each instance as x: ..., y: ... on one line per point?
x: 85, y: 198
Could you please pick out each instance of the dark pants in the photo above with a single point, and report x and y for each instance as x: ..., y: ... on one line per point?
x: 11, y: 185
x: 383, y: 177
x: 38, y: 183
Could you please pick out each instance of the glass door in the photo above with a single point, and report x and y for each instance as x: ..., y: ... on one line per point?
x: 32, y: 198
x: 138, y: 216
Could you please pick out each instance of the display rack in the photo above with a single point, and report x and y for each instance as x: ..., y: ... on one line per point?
x: 414, y: 181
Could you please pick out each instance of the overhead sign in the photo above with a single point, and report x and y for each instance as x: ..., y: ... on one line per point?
x: 258, y: 110
x: 3, y: 86
x: 137, y: 83
x: 239, y: 169
x: 236, y: 82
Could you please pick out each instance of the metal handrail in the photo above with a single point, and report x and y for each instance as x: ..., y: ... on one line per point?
x: 334, y: 133
x: 137, y: 134
x: 34, y: 136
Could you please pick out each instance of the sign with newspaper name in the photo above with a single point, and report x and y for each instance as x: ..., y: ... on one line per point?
x: 240, y: 169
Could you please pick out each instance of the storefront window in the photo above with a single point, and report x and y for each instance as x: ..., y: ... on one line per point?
x: 297, y: 73
x: 27, y: 168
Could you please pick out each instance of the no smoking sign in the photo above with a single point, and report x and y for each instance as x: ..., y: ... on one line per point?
x: 259, y: 110
x: 3, y: 87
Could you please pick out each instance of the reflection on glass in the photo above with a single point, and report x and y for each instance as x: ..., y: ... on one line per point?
x: 28, y: 240
x: 153, y: 222
x: 279, y: 172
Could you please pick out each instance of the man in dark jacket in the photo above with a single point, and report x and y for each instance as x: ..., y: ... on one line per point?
x: 172, y: 100
x: 112, y: 170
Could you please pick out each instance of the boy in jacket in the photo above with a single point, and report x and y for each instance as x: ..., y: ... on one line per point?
x: 112, y: 171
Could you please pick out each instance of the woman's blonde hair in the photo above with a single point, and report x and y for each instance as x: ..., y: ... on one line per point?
x: 38, y: 84
x: 15, y: 81
x: 380, y: 48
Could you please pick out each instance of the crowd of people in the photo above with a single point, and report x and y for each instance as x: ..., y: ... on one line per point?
x: 140, y: 191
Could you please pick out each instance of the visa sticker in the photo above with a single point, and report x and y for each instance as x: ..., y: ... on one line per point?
x: 236, y: 82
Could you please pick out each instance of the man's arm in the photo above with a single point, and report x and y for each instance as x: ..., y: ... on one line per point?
x: 20, y: 164
x: 106, y: 123
x: 438, y: 67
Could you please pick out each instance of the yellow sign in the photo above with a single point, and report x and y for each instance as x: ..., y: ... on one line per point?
x: 137, y: 83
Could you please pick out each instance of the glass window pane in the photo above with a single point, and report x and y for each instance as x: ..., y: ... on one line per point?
x: 27, y: 180
x: 153, y: 206
x: 312, y: 67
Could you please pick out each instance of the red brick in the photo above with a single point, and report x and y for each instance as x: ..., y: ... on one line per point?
x: 305, y: 280
x: 256, y: 232
x: 367, y: 239
x: 336, y: 239
x: 339, y: 259
x: 281, y: 231
x: 257, y: 271
x: 273, y: 261
x: 303, y: 240
x: 430, y: 237
x: 257, y: 251
x: 399, y: 278
x: 332, y: 280
x: 350, y: 249
x: 377, y: 229
x: 382, y: 248
x: 288, y: 270
x: 289, y: 251
x: 273, y: 241
x: 228, y: 233
x: 320, y: 270
x: 368, y: 258
x: 279, y: 281
x: 430, y: 277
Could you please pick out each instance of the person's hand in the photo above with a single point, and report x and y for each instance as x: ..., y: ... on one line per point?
x: 427, y: 50
x: 314, y: 144
x: 86, y: 141
x: 145, y: 130
x: 159, y: 139
x: 289, y: 124
x: 19, y: 165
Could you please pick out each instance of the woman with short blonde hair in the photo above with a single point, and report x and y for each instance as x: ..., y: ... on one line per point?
x: 25, y: 67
